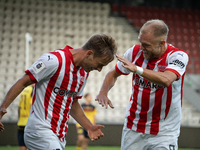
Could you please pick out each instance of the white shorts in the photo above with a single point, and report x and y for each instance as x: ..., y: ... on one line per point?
x: 132, y: 140
x: 42, y: 141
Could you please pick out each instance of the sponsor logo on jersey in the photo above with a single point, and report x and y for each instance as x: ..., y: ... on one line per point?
x: 147, y: 84
x: 178, y: 63
x: 38, y: 67
x: 63, y: 92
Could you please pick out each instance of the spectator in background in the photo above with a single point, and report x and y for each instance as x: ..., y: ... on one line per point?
x: 24, y: 108
x: 60, y: 78
x: 90, y: 112
x: 153, y: 114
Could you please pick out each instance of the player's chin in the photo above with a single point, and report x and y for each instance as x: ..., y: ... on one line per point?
x: 147, y: 57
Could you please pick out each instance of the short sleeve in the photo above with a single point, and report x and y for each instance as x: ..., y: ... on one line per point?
x: 177, y: 63
x: 119, y: 68
x: 43, y: 68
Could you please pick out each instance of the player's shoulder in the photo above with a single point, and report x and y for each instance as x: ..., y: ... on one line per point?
x: 48, y: 59
x: 173, y: 49
x: 135, y: 47
x: 132, y: 52
x: 50, y: 56
x: 177, y: 52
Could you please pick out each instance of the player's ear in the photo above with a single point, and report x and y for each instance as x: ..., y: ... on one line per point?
x: 162, y: 43
x: 89, y: 53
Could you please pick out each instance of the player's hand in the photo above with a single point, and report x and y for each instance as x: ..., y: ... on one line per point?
x: 95, y: 133
x: 126, y: 63
x: 103, y: 100
x: 2, y: 112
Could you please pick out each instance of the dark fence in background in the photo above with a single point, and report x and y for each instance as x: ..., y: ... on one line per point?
x: 189, y: 137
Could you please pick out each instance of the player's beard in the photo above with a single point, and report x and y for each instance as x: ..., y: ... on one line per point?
x: 147, y: 55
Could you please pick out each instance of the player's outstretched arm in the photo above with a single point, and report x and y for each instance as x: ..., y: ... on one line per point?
x: 108, y: 83
x: 14, y: 91
x: 78, y: 114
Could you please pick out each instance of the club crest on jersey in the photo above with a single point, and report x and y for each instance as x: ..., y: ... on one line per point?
x: 161, y: 68
x: 82, y: 79
x: 39, y: 66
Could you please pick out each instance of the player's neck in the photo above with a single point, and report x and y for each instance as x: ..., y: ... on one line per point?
x: 78, y: 55
x: 164, y: 49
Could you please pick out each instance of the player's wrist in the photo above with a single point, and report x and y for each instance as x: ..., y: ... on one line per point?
x: 104, y: 92
x: 139, y: 70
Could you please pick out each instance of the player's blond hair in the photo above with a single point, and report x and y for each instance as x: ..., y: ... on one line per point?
x: 158, y: 28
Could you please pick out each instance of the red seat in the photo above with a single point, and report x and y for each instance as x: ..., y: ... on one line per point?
x: 185, y: 38
x: 179, y: 45
x: 129, y: 16
x: 123, y: 9
x: 188, y: 52
x: 194, y: 52
x: 190, y: 67
x: 193, y: 39
x: 150, y: 15
x: 187, y: 46
x: 135, y: 14
x: 114, y: 8
x: 197, y: 68
x: 136, y: 23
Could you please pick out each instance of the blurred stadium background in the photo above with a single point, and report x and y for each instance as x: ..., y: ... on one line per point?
x: 53, y: 24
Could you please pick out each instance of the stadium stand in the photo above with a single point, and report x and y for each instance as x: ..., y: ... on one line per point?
x: 53, y: 24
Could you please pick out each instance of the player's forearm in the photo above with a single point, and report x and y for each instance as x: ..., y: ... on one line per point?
x: 109, y: 81
x: 14, y: 91
x: 160, y: 78
x: 85, y: 122
x: 11, y: 95
x: 78, y: 114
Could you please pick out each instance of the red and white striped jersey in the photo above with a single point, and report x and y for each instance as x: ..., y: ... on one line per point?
x: 58, y: 83
x: 155, y: 109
